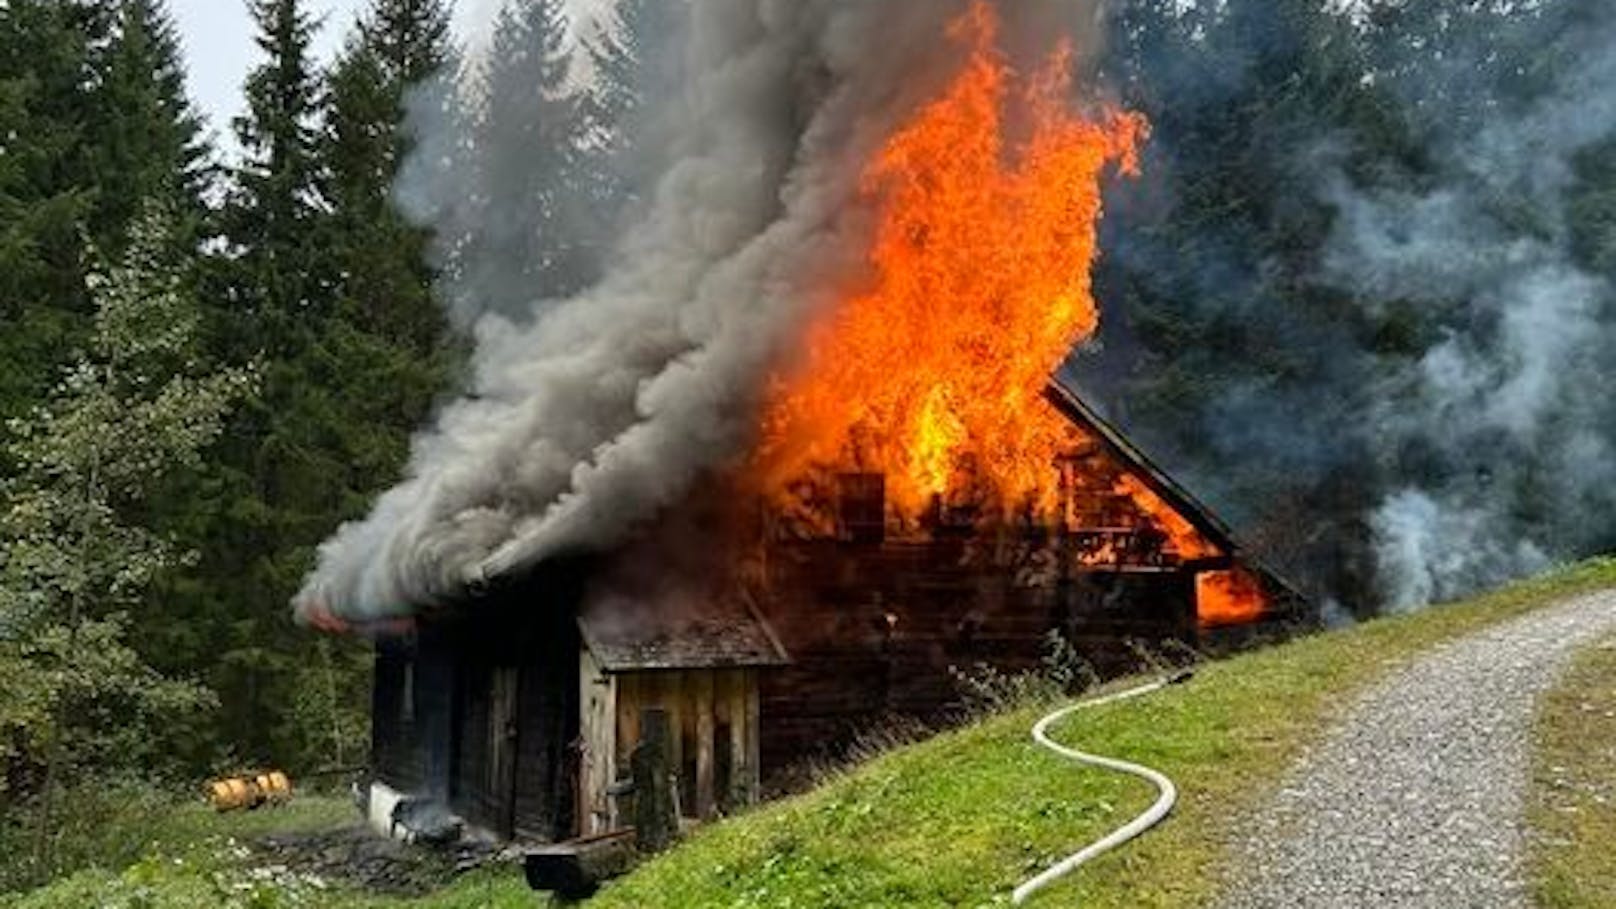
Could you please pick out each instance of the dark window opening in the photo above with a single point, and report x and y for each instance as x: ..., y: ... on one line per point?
x: 862, y: 507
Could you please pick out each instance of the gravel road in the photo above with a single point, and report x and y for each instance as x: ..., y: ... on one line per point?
x: 1416, y: 799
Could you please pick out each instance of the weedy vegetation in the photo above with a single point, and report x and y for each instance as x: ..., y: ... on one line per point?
x: 1573, y: 802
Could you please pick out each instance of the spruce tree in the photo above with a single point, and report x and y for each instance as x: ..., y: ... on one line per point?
x: 327, y: 279
x: 46, y: 193
x: 410, y: 38
x: 272, y: 217
x: 529, y: 139
x: 257, y: 517
x: 1209, y: 273
x: 383, y: 278
x: 147, y: 136
x: 633, y: 57
x: 385, y: 329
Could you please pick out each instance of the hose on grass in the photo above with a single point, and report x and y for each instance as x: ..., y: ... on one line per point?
x: 1167, y: 792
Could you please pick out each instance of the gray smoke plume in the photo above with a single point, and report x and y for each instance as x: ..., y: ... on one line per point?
x: 1517, y: 386
x: 587, y: 414
x: 1401, y: 353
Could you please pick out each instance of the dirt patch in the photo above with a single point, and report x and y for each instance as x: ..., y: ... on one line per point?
x: 357, y: 857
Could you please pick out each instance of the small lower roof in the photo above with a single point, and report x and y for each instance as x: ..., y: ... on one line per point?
x: 628, y: 633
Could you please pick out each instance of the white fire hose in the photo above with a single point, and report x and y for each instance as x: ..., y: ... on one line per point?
x: 1168, y: 793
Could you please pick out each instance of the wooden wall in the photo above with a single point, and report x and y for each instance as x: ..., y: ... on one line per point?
x: 395, y: 752
x: 873, y: 630
x: 480, y: 711
x: 530, y: 733
x: 516, y: 717
x: 713, y: 714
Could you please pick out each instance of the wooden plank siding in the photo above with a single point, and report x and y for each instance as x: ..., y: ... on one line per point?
x: 495, y: 719
x: 598, y: 767
x: 549, y: 711
x: 701, y: 700
x: 713, y: 724
x: 396, y: 757
x: 873, y: 631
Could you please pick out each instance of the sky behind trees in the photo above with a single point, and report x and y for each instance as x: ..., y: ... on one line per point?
x: 219, y: 46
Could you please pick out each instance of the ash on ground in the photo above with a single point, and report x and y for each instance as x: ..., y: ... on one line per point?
x: 356, y: 856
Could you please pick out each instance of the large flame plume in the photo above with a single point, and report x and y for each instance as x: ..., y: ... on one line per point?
x: 934, y: 373
x: 973, y: 222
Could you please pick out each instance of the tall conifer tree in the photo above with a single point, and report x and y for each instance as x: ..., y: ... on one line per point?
x: 271, y: 219
x: 149, y: 145
x: 279, y: 470
x: 396, y: 50
x: 528, y: 143
x: 45, y: 192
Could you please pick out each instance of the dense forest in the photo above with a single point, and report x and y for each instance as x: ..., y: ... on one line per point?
x: 213, y: 357
x: 1361, y: 302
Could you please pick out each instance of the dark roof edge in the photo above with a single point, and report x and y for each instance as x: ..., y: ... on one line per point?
x: 1153, y: 476
x: 1192, y: 509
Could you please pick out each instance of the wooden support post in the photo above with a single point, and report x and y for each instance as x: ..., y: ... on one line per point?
x: 741, y: 771
x: 702, y: 685
x: 670, y: 696
x: 598, y: 730
x: 754, y: 750
x: 655, y: 819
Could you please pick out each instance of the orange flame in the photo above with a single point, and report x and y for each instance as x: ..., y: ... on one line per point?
x: 1187, y: 542
x: 934, y: 374
x: 1228, y: 598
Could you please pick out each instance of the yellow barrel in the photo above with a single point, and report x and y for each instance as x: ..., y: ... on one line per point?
x: 231, y: 794
x: 249, y: 791
x: 274, y: 786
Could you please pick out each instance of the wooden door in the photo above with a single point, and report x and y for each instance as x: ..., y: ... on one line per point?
x: 502, y: 741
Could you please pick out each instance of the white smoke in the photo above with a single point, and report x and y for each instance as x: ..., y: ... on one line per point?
x: 1518, y: 368
x: 587, y: 415
x: 1426, y: 549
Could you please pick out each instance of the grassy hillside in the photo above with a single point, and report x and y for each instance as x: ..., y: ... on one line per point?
x: 1573, y: 802
x: 957, y: 820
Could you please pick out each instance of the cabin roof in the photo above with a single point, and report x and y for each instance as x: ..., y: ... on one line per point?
x: 1190, y: 508
x: 1068, y: 402
x: 626, y: 633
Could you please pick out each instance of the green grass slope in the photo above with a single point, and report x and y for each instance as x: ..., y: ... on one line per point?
x: 960, y: 819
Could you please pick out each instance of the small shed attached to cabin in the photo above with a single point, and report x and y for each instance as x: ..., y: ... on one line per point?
x: 699, y: 663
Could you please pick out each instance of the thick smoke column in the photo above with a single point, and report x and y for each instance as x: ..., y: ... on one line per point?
x: 587, y: 415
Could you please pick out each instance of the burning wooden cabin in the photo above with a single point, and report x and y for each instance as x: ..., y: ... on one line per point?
x: 518, y: 711
x: 911, y: 503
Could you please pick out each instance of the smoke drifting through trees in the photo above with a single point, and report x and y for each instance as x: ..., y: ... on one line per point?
x: 1385, y: 341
